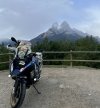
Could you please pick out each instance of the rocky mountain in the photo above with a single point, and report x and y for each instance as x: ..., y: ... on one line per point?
x: 60, y: 32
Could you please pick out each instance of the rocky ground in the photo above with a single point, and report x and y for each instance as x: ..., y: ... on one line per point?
x: 60, y: 88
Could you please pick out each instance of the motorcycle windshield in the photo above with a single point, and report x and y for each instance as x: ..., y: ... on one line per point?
x: 23, y: 49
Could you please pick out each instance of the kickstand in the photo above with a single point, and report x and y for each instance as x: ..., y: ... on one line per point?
x: 36, y: 89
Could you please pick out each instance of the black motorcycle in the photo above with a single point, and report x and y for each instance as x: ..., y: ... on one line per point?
x: 25, y: 71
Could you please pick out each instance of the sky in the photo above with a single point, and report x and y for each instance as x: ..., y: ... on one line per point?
x: 26, y: 19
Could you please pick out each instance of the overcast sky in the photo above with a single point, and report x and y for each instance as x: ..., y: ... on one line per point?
x: 26, y: 19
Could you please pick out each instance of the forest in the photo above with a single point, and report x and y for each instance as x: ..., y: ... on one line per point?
x: 88, y: 43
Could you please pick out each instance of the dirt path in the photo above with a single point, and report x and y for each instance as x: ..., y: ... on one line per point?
x: 60, y: 88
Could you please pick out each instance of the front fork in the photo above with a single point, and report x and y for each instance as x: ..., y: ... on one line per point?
x: 17, y: 84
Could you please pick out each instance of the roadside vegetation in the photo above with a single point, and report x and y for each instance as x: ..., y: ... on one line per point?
x: 88, y: 43
x: 3, y: 58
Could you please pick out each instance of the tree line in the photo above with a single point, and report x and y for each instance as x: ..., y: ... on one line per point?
x: 3, y: 58
x: 88, y: 43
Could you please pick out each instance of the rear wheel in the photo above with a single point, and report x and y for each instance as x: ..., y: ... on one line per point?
x: 18, y: 95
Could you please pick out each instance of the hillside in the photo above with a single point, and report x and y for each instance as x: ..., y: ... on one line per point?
x: 60, y: 32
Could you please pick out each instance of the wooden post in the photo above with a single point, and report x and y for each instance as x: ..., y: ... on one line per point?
x: 71, y: 58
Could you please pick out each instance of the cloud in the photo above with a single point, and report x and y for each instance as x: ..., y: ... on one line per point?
x: 26, y: 19
x: 91, y: 22
x: 31, y: 17
x: 2, y: 10
x: 93, y: 13
x: 6, y: 31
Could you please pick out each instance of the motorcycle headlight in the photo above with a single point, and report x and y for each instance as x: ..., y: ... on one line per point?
x: 21, y: 54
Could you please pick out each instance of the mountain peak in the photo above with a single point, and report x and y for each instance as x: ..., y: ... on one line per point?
x: 55, y: 25
x: 65, y: 27
x: 58, y: 32
x: 64, y: 24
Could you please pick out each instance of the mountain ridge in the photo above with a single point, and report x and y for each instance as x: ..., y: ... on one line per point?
x: 60, y: 32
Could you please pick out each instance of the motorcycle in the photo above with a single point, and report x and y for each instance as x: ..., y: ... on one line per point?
x: 25, y: 70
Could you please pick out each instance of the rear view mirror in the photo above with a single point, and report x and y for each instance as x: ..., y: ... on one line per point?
x: 9, y: 45
x: 13, y: 39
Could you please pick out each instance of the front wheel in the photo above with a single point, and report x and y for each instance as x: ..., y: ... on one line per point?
x: 18, y: 95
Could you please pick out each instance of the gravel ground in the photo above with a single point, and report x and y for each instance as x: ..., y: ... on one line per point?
x: 59, y: 87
